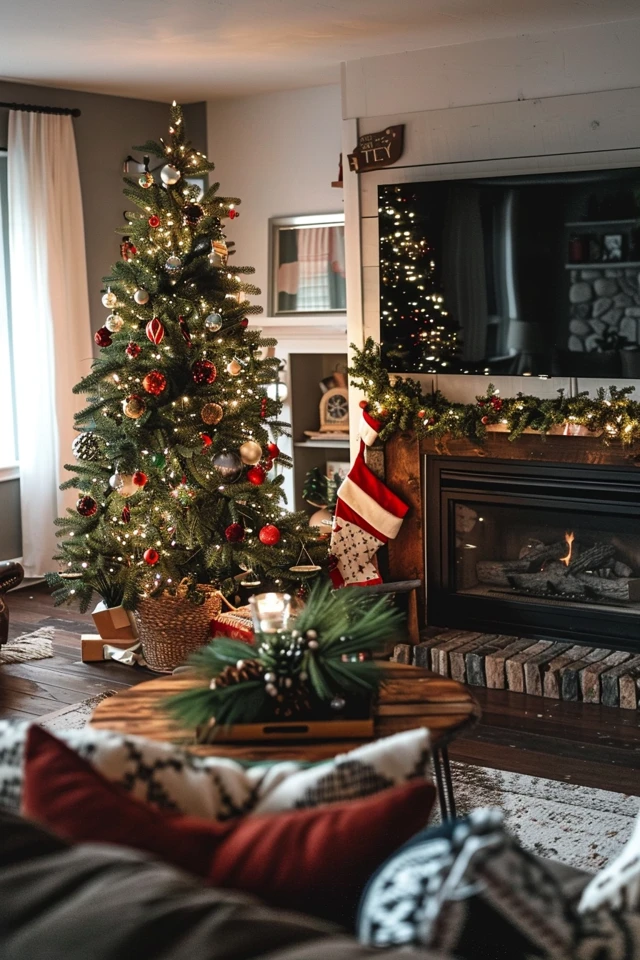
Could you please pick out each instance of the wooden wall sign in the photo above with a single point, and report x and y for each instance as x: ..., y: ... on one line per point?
x: 377, y: 150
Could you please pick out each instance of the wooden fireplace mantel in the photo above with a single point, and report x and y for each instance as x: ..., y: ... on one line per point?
x: 403, y: 458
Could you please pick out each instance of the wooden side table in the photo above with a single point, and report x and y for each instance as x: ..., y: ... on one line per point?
x: 409, y: 697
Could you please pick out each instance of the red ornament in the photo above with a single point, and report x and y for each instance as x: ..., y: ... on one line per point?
x: 184, y: 330
x: 155, y: 331
x: 234, y: 533
x: 431, y: 421
x: 203, y: 371
x: 133, y: 350
x: 363, y: 404
x: 268, y: 464
x: 496, y: 403
x: 481, y: 403
x: 103, y: 337
x: 233, y: 214
x: 139, y: 478
x: 244, y: 322
x: 154, y: 222
x: 256, y: 476
x: 383, y: 412
x: 274, y: 451
x: 86, y: 506
x: 151, y: 556
x: 154, y: 382
x: 269, y: 535
x: 485, y: 420
x: 422, y: 414
x: 126, y: 514
x: 127, y: 249
x: 263, y: 408
x: 206, y: 440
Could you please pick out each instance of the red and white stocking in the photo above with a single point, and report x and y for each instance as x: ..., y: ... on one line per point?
x: 367, y: 515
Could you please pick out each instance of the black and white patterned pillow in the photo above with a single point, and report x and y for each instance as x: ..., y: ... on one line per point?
x: 217, y: 787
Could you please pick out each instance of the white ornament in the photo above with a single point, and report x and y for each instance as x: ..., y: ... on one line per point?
x: 213, y: 322
x: 114, y: 323
x: 141, y: 296
x: 109, y: 300
x: 170, y: 174
x: 234, y: 367
x: 250, y: 452
x: 123, y: 484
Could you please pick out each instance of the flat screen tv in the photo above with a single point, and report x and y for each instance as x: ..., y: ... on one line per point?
x: 534, y: 275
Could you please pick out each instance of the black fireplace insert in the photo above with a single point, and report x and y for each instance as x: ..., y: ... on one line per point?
x: 548, y: 550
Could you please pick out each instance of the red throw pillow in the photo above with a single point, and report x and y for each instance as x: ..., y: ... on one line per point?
x: 315, y: 860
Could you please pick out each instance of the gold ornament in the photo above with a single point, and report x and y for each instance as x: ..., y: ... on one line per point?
x: 212, y: 413
x: 133, y: 407
x: 234, y: 368
x: 250, y: 452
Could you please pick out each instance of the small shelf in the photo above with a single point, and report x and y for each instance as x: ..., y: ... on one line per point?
x: 610, y: 264
x: 327, y: 444
x: 600, y: 223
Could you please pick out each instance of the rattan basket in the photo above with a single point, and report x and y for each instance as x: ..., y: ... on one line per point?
x: 171, y: 628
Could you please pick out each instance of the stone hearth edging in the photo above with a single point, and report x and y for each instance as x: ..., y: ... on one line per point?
x: 539, y: 667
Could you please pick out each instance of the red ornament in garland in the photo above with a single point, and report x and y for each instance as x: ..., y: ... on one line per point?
x: 133, y: 350
x: 103, y: 337
x: 155, y: 331
x: 485, y: 420
x: 269, y: 535
x: 184, y: 330
x: 126, y: 514
x: 496, y: 403
x: 86, y: 506
x: 203, y: 371
x: 274, y: 450
x: 256, y: 476
x: 481, y: 403
x: 206, y: 440
x: 151, y: 556
x: 154, y: 382
x: 234, y: 533
x: 139, y: 478
x: 421, y: 414
x: 154, y: 221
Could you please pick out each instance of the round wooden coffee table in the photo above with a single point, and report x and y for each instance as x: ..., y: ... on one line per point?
x: 409, y: 697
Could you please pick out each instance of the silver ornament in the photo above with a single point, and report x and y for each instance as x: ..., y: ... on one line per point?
x: 269, y: 678
x: 109, y: 300
x: 213, y: 322
x: 173, y: 265
x: 170, y: 174
x: 123, y: 484
x: 228, y: 465
x: 141, y: 296
x: 114, y: 323
x: 250, y: 452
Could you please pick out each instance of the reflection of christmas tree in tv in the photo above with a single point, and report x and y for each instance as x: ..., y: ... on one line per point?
x: 418, y: 332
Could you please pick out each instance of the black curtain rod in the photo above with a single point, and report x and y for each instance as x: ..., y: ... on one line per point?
x: 34, y: 108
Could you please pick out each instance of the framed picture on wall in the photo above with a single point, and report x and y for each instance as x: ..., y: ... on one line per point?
x: 307, y: 265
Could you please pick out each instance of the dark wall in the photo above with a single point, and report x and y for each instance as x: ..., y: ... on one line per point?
x: 105, y: 134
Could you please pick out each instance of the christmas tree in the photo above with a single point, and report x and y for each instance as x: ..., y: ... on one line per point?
x: 177, y: 446
x: 419, y: 333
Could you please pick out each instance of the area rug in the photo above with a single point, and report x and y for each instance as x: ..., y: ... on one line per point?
x: 30, y: 646
x: 74, y: 716
x: 580, y: 826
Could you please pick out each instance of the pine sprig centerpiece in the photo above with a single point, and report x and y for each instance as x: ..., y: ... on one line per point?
x: 316, y: 670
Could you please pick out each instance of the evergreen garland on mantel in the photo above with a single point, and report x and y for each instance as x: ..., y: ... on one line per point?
x: 401, y: 405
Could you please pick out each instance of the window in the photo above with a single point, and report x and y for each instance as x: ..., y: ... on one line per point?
x: 8, y: 450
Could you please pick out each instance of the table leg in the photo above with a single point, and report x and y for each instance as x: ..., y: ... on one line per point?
x: 444, y: 784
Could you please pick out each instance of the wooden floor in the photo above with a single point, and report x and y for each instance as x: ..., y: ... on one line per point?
x: 577, y: 743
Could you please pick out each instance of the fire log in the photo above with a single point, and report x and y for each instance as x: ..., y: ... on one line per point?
x: 497, y: 572
x: 549, y: 582
x: 593, y: 558
x: 626, y: 589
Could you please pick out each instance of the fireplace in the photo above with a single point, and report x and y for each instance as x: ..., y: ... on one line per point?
x: 548, y: 550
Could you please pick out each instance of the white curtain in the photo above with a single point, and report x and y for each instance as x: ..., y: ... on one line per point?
x: 50, y: 318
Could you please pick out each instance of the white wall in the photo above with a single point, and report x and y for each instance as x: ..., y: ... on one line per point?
x: 279, y: 153
x: 562, y: 100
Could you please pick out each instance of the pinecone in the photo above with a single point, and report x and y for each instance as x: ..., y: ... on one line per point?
x: 86, y: 446
x: 292, y: 702
x: 244, y: 670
